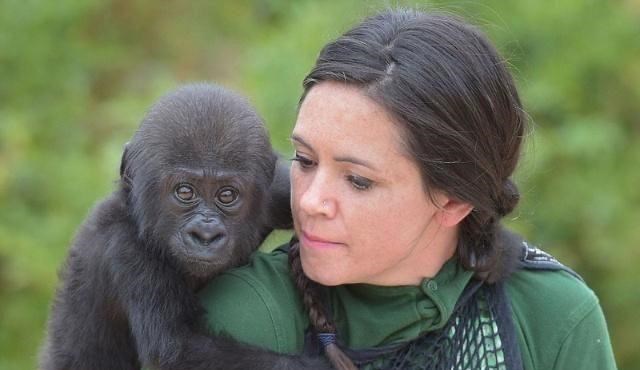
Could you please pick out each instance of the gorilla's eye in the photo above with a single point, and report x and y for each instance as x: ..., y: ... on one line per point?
x: 227, y: 196
x: 185, y: 193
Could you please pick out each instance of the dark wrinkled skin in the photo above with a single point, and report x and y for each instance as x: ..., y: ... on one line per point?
x: 127, y: 297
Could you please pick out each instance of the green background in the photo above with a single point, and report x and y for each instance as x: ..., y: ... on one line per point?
x: 77, y: 76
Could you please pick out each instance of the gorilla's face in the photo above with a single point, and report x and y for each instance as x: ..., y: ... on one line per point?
x: 205, y: 215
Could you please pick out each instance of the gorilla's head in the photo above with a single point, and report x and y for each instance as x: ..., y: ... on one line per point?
x: 196, y: 174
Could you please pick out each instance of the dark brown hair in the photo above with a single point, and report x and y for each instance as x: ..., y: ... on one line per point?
x: 456, y: 104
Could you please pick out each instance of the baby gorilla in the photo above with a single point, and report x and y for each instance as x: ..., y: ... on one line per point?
x: 200, y: 189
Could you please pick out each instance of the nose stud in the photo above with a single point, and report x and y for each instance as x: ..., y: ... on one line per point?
x: 324, y: 203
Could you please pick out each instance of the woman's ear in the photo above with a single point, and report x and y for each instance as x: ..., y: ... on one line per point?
x: 452, y: 211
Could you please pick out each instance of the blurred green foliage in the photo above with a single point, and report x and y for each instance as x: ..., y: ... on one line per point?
x: 77, y: 76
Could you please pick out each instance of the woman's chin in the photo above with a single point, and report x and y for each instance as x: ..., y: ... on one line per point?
x: 323, y: 274
x: 326, y: 280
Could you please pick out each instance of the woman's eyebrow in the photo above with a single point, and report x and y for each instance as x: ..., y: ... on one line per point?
x: 300, y: 141
x: 356, y: 161
x: 342, y: 158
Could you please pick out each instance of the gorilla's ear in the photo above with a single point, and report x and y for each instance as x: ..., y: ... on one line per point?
x: 279, y: 208
x: 125, y: 177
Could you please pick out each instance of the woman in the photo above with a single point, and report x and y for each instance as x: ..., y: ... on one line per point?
x: 408, y: 131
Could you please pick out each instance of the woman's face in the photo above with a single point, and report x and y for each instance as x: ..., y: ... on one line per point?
x: 359, y: 205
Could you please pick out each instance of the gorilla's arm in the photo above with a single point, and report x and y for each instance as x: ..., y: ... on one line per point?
x: 170, y: 336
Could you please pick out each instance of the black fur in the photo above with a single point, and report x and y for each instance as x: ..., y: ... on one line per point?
x: 127, y: 296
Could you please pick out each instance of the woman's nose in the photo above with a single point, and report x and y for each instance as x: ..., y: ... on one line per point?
x: 316, y: 198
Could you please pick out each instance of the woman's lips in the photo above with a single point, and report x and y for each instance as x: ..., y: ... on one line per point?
x: 312, y: 241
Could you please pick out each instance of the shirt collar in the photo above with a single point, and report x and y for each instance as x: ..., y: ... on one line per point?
x: 370, y: 315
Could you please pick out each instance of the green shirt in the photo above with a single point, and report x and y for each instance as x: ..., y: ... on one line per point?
x: 558, y: 321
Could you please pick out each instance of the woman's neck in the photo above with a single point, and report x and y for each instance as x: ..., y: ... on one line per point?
x: 425, y: 261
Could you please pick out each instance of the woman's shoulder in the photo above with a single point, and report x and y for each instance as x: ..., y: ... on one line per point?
x: 257, y: 304
x: 548, y: 296
x: 557, y: 316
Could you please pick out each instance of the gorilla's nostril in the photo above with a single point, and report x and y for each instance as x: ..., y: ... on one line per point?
x: 217, y: 237
x: 205, y: 238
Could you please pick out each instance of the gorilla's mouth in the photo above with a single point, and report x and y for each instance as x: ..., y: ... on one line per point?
x: 214, y: 252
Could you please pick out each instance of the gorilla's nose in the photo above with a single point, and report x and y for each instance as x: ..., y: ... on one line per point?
x: 206, y: 233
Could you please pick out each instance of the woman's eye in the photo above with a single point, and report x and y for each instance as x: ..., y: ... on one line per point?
x: 360, y: 183
x: 303, y: 161
x: 185, y: 193
x: 227, y: 196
